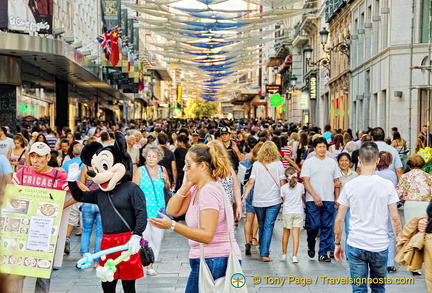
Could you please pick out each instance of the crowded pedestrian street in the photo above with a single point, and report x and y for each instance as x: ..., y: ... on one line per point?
x: 215, y: 146
x: 173, y: 268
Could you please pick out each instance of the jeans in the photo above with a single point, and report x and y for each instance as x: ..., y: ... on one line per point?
x: 392, y: 245
x: 217, y: 266
x: 363, y: 262
x: 90, y: 214
x: 320, y: 218
x: 266, y: 220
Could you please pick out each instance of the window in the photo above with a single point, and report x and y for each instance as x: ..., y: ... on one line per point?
x: 425, y: 26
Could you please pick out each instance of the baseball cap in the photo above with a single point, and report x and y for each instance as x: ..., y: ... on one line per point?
x: 224, y: 130
x: 40, y: 148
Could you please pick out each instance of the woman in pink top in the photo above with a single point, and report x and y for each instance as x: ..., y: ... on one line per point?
x: 18, y: 156
x: 202, y: 199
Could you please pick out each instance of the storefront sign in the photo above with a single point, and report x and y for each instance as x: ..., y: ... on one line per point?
x: 313, y: 87
x: 30, y: 16
x: 303, y: 101
x: 273, y: 88
x: 179, y: 95
x: 29, y: 226
x: 276, y: 100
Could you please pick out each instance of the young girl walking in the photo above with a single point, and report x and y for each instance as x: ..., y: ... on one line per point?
x: 293, y: 213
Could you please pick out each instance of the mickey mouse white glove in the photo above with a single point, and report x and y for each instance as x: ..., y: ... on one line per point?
x: 134, y: 243
x: 74, y: 172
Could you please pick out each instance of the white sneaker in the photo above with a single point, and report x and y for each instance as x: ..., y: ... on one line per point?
x: 283, y: 258
x: 295, y: 259
x: 151, y: 272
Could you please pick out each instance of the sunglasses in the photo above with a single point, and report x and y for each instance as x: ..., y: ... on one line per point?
x: 187, y: 165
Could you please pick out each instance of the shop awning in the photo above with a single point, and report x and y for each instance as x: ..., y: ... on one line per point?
x: 59, y: 59
x: 163, y: 72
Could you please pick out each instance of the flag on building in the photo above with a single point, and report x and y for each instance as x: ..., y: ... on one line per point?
x: 109, y: 43
x: 115, y: 57
x: 141, y: 82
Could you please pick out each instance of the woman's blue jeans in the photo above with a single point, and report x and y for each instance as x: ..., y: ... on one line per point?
x: 90, y: 214
x: 217, y: 266
x: 266, y: 220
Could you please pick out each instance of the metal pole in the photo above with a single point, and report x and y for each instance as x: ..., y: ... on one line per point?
x: 411, y: 73
x: 429, y: 77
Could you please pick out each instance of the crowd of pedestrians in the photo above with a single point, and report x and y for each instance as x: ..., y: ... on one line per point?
x: 326, y: 182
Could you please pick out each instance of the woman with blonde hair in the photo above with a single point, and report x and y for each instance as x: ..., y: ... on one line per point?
x: 294, y: 144
x: 266, y: 199
x: 203, y: 200
x: 153, y: 179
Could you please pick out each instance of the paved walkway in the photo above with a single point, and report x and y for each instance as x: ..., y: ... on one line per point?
x: 173, y: 269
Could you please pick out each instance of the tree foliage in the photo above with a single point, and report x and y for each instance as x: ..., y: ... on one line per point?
x: 195, y: 108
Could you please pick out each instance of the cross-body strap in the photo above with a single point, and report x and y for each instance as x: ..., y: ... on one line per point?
x: 154, y: 189
x: 55, y: 177
x: 21, y: 155
x: 270, y: 174
x: 222, y: 193
x: 117, y: 212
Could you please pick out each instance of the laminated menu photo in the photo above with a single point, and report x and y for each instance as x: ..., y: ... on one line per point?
x: 29, y: 221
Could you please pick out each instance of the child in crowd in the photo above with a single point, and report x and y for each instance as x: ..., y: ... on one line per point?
x: 293, y: 213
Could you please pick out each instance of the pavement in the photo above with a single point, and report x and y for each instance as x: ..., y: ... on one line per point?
x: 309, y: 275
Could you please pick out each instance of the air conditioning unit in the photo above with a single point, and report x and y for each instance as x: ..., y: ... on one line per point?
x: 69, y: 40
x: 360, y: 31
x: 376, y: 18
x: 359, y: 97
x: 368, y: 25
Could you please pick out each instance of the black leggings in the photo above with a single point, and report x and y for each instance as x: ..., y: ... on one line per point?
x: 128, y: 286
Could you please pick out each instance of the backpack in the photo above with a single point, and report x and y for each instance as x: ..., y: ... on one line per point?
x: 244, y: 171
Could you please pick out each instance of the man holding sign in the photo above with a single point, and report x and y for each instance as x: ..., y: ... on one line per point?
x: 43, y: 176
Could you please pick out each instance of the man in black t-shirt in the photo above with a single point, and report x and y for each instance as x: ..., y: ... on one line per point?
x: 232, y: 148
x: 168, y: 161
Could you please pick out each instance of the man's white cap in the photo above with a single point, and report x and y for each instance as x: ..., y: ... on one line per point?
x: 40, y: 148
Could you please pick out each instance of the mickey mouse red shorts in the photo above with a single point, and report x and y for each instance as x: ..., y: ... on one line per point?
x: 131, y: 269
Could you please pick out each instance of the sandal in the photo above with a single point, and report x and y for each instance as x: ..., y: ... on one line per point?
x: 391, y: 269
x: 266, y: 259
x: 255, y: 241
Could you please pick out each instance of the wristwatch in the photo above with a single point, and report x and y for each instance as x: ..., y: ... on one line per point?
x: 173, y: 224
x: 337, y: 243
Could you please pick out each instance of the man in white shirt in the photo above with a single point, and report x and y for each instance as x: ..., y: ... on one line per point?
x: 370, y: 199
x: 6, y: 143
x: 319, y: 174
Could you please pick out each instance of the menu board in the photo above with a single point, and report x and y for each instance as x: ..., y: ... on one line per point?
x: 29, y: 226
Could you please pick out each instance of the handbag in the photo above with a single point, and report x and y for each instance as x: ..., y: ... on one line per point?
x: 234, y: 280
x: 146, y: 252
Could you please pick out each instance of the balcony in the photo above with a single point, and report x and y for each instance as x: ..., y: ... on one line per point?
x: 333, y: 7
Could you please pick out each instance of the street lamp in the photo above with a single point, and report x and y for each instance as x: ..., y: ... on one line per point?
x: 325, y: 62
x: 342, y: 47
x: 292, y: 87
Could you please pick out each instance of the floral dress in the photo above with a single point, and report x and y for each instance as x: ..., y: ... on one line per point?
x: 153, y: 201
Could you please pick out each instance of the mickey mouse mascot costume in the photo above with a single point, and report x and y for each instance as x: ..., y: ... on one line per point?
x: 112, y: 171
